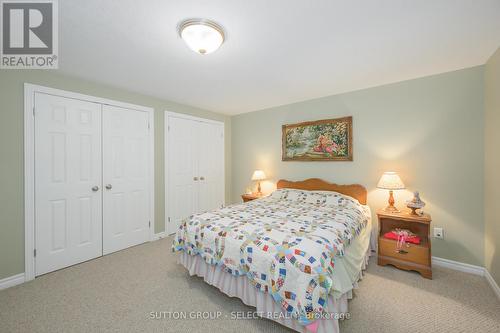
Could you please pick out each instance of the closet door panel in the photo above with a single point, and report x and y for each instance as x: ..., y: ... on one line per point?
x: 182, y: 168
x: 68, y: 197
x: 211, y: 166
x: 125, y: 178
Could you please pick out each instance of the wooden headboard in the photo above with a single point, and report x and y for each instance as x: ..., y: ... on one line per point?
x: 315, y: 184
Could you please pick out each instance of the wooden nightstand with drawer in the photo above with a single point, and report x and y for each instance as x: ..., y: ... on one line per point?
x: 414, y: 257
x: 250, y: 196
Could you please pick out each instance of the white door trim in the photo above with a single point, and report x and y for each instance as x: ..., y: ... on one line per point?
x: 165, y: 143
x: 186, y: 116
x: 29, y: 163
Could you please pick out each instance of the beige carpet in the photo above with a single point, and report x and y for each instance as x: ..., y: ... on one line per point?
x: 117, y: 293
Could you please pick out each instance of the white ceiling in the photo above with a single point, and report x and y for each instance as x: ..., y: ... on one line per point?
x: 277, y: 51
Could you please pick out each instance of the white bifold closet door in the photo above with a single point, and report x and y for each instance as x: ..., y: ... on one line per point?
x: 210, y: 163
x: 68, y: 202
x: 195, y: 168
x: 91, y: 180
x: 125, y: 178
x: 181, y: 165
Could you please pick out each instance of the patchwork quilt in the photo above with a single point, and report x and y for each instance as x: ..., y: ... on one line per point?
x: 285, y: 244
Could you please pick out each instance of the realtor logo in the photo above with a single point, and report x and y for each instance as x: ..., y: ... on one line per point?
x: 29, y: 34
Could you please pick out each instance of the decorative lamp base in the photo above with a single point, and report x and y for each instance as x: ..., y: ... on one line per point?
x: 391, y: 208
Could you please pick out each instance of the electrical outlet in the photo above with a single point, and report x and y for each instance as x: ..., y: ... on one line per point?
x: 438, y: 233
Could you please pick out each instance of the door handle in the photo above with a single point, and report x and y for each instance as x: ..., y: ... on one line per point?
x: 109, y: 187
x: 195, y: 178
x: 95, y: 188
x: 202, y: 178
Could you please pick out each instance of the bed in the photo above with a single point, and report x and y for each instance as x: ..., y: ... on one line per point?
x: 294, y: 255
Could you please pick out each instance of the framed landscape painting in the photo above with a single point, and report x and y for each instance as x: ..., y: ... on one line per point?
x: 321, y: 140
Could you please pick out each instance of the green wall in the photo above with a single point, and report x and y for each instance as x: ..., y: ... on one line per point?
x: 492, y: 165
x: 11, y: 151
x: 430, y: 130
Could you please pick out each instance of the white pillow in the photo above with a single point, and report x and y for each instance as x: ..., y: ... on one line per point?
x: 328, y: 198
x: 288, y: 194
x: 278, y: 194
x: 315, y: 197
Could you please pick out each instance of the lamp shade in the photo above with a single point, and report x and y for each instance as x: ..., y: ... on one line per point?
x: 258, y: 175
x: 390, y: 181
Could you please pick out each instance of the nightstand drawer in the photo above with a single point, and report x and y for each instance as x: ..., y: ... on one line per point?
x: 415, y: 253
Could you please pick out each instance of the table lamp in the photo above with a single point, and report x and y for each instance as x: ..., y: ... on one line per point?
x: 258, y: 175
x: 391, y: 181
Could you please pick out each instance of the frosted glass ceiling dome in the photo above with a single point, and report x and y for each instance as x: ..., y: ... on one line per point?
x: 202, y: 36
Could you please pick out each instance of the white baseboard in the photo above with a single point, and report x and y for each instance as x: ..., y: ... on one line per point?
x: 467, y: 268
x: 458, y: 266
x: 492, y: 282
x: 158, y: 236
x: 11, y: 281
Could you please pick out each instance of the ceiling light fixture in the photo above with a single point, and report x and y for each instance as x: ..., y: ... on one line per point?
x: 202, y: 36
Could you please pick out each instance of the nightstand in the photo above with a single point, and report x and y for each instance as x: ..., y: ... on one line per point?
x: 415, y: 257
x: 250, y: 197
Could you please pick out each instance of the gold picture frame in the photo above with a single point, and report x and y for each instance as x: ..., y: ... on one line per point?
x: 320, y: 140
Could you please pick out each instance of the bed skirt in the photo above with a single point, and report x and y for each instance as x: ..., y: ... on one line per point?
x: 242, y: 288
